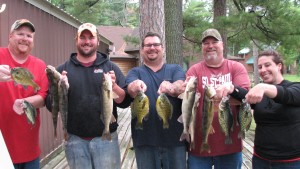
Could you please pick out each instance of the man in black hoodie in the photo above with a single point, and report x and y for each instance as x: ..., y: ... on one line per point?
x: 84, y: 72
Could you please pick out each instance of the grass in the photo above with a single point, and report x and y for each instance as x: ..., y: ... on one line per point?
x: 293, y: 78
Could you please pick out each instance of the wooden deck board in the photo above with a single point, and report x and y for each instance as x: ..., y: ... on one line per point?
x: 127, y: 153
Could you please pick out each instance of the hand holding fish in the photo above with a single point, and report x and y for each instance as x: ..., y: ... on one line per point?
x: 64, y: 78
x: 113, y: 78
x: 18, y: 106
x: 5, y: 73
x: 223, y: 90
x: 135, y: 87
x: 256, y: 94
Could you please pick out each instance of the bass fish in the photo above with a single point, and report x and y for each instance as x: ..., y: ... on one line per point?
x: 30, y: 112
x: 164, y: 109
x: 53, y: 77
x: 107, y: 107
x: 24, y: 77
x: 225, y: 118
x: 207, y: 117
x: 244, y: 118
x: 140, y: 109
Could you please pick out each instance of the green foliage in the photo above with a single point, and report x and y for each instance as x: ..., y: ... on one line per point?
x: 102, y: 12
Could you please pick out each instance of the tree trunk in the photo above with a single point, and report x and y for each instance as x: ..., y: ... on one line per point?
x: 220, y: 11
x: 255, y: 57
x: 152, y: 18
x: 173, y: 23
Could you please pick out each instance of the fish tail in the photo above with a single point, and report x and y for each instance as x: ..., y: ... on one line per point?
x: 166, y: 125
x: 192, y: 146
x: 205, y: 147
x: 139, y: 126
x: 228, y: 140
x: 106, y: 136
x: 241, y: 134
x: 185, y: 136
x: 36, y: 87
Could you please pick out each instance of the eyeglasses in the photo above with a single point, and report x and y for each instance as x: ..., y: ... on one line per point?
x: 155, y: 45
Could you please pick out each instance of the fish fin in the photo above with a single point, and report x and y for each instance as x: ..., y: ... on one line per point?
x: 139, y: 126
x: 115, y: 96
x: 205, y: 147
x: 228, y: 140
x: 181, y: 96
x: 25, y: 87
x: 171, y: 113
x: 185, y: 136
x: 180, y: 119
x: 211, y: 130
x: 165, y: 125
x: 106, y: 136
x: 146, y: 117
x: 112, y: 119
x: 241, y: 135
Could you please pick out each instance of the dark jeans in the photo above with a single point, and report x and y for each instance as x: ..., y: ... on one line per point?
x: 258, y: 163
x: 34, y: 164
x: 151, y: 157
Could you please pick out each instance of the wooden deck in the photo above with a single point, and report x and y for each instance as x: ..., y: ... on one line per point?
x: 127, y: 155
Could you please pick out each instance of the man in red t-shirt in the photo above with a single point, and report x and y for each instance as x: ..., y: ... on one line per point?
x: 21, y: 137
x: 215, y: 71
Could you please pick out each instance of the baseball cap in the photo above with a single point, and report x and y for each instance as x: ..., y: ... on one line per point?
x: 211, y: 33
x: 87, y: 26
x: 22, y: 22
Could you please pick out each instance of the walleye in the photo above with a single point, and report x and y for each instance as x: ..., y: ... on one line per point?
x: 53, y: 77
x: 188, y: 102
x: 164, y: 109
x: 244, y: 118
x: 225, y: 118
x: 207, y: 117
x: 193, y: 120
x: 107, y: 106
x: 30, y: 112
x: 140, y: 109
x: 63, y: 88
x: 24, y: 77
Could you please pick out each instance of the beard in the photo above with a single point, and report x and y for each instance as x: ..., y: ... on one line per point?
x: 85, y: 53
x: 211, y: 57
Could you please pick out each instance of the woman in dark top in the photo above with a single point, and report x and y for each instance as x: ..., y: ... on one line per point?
x: 276, y: 105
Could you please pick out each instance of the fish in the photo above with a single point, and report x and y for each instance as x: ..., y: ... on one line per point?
x: 53, y: 76
x: 244, y: 118
x: 63, y: 88
x: 107, y: 106
x: 193, y: 120
x: 225, y: 118
x: 164, y: 109
x: 24, y: 77
x: 207, y: 117
x: 30, y: 112
x: 140, y: 109
x: 188, y: 99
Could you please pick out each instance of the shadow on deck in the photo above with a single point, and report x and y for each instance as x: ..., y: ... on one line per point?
x: 127, y: 155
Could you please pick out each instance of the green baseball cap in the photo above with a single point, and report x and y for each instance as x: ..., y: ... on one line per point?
x: 22, y: 22
x: 211, y: 33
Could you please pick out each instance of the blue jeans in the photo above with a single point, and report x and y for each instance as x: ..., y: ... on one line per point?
x: 34, y: 164
x: 93, y: 154
x: 229, y: 161
x: 151, y: 157
x: 258, y: 163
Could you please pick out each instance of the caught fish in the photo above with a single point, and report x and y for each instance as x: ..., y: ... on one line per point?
x: 207, y: 117
x: 30, y: 112
x: 164, y: 109
x: 193, y: 120
x: 188, y: 99
x: 225, y: 118
x: 107, y: 108
x: 244, y: 118
x: 63, y: 88
x: 140, y: 109
x: 24, y: 77
x: 53, y: 77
